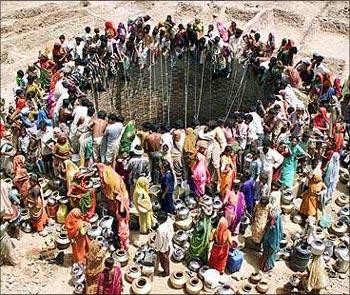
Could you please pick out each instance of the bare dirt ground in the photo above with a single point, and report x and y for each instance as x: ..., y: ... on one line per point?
x: 28, y: 26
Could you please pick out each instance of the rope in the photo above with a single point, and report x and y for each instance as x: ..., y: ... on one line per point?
x: 210, y: 89
x: 240, y: 84
x: 195, y: 87
x: 167, y: 89
x: 161, y: 76
x: 242, y: 93
x: 201, y: 90
x: 170, y: 88
x: 126, y: 90
x: 150, y: 85
x: 232, y: 86
x: 186, y: 88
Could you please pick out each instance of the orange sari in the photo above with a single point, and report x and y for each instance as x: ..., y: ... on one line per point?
x: 37, y: 211
x: 21, y: 179
x: 80, y: 242
x: 226, y: 178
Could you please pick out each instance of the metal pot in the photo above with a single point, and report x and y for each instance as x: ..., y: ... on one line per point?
x: 185, y: 224
x: 211, y: 279
x: 320, y: 235
x: 190, y: 202
x: 344, y: 211
x: 155, y: 190
x: 297, y: 219
x: 194, y: 265
x: 287, y: 197
x: 245, y: 221
x: 76, y: 271
x: 178, y: 254
x: 178, y: 279
x: 296, y: 236
x: 287, y: 209
x: 62, y: 241
x: 202, y: 271
x: 182, y: 212
x: 26, y: 227
x: 317, y: 247
x: 93, y: 220
x: 225, y: 290
x: 194, y: 286
x: 141, y: 285
x: 178, y: 203
x: 344, y: 177
x: 294, y: 280
x: 339, y: 228
x: 180, y: 237
x: 156, y: 206
x: 329, y: 247
x: 25, y: 214
x: 133, y: 272
x: 341, y: 250
x: 78, y: 288
x: 283, y: 243
x: 106, y: 222
x: 208, y: 201
x: 342, y: 264
x: 121, y: 256
x: 217, y: 203
x: 94, y: 231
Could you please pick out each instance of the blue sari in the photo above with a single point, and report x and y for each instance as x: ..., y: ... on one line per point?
x: 271, y: 243
x: 168, y: 182
x: 289, y: 165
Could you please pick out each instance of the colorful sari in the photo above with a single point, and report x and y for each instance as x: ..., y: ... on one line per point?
x: 113, y: 286
x: 271, y: 242
x: 94, y: 266
x: 331, y: 176
x: 260, y: 219
x: 127, y: 138
x: 318, y: 277
x: 117, y: 196
x: 321, y: 120
x: 226, y: 178
x: 221, y: 246
x: 338, y: 136
x: 234, y: 210
x: 21, y: 179
x: 74, y: 225
x: 200, y: 176
x: 37, y: 211
x: 199, y: 244
x: 189, y: 148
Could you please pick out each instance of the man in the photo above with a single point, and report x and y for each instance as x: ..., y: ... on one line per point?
x: 46, y: 141
x: 162, y: 244
x: 111, y: 136
x: 98, y: 126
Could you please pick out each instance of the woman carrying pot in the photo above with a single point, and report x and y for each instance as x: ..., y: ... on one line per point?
x: 110, y: 280
x: 142, y: 202
x: 36, y: 205
x: 77, y: 232
x: 222, y: 240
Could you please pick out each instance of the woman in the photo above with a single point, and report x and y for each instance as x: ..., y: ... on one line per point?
x: 77, y: 233
x: 227, y: 171
x: 331, y: 176
x: 7, y: 247
x: 318, y: 276
x: 200, y: 173
x: 338, y: 134
x: 142, y: 202
x: 94, y: 266
x: 271, y: 240
x: 167, y: 187
x: 222, y: 240
x: 7, y: 153
x: 199, y: 243
x: 293, y: 77
x: 260, y: 219
x: 117, y: 198
x: 270, y: 45
x: 321, y: 120
x: 289, y: 166
x: 61, y: 152
x: 127, y: 138
x: 311, y: 198
x: 21, y: 179
x: 189, y: 148
x: 110, y: 280
x: 36, y: 205
x: 59, y: 55
x: 234, y: 210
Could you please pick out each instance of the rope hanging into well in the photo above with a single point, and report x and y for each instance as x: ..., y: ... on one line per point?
x: 186, y: 87
x: 201, y: 90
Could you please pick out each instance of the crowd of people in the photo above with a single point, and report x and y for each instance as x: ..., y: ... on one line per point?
x: 55, y: 132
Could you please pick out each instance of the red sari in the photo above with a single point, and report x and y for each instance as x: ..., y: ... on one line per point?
x: 221, y: 246
x: 21, y: 179
x: 338, y: 136
x: 80, y: 243
x: 110, y: 287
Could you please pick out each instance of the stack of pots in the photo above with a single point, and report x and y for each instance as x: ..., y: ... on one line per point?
x: 78, y: 278
x: 287, y: 198
x: 52, y: 207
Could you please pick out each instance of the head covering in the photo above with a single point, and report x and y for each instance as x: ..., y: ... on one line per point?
x: 222, y: 232
x: 94, y: 262
x: 73, y: 222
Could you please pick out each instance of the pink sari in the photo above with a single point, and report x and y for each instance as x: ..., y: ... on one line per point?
x: 234, y: 210
x: 222, y: 31
x: 200, y: 176
x: 114, y: 287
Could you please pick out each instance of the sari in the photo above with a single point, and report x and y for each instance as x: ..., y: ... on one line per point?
x: 338, y: 136
x: 321, y: 120
x: 199, y: 243
x: 117, y: 197
x: 127, y: 138
x: 234, y: 210
x: 271, y: 241
x: 189, y: 148
x: 77, y: 234
x: 311, y: 200
x: 21, y: 179
x: 7, y: 246
x: 331, y: 176
x: 318, y: 277
x: 94, y: 266
x: 260, y: 219
x: 37, y: 211
x: 226, y: 178
x: 221, y: 246
x: 113, y: 286
x: 141, y: 198
x: 289, y: 166
x: 8, y: 211
x: 200, y: 176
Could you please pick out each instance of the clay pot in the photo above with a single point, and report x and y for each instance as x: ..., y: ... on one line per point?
x: 344, y: 177
x: 262, y: 287
x: 342, y: 264
x: 225, y: 290
x: 94, y: 231
x: 180, y: 237
x: 287, y: 197
x: 194, y: 265
x: 26, y: 227
x: 52, y: 207
x: 342, y: 200
x: 317, y: 247
x: 106, y: 222
x: 246, y: 288
x: 62, y: 241
x: 178, y: 279
x: 133, y: 272
x: 141, y: 285
x: 194, y: 286
x: 320, y: 235
x: 182, y: 212
x: 329, y: 247
x: 339, y: 228
x: 287, y: 209
x: 295, y: 236
x: 202, y: 271
x: 255, y: 277
x: 178, y: 254
x: 341, y: 250
x: 121, y: 256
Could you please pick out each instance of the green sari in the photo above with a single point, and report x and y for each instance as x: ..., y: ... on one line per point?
x: 127, y: 138
x: 199, y: 244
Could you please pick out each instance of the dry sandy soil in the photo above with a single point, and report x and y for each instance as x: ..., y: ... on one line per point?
x: 27, y: 26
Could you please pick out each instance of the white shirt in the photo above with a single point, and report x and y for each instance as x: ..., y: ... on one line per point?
x: 164, y: 235
x: 257, y: 123
x: 242, y: 136
x: 78, y: 112
x: 272, y: 159
x: 167, y: 139
x: 44, y: 138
